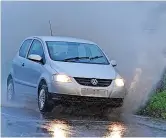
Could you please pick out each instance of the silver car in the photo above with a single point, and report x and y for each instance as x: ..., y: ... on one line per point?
x: 63, y: 70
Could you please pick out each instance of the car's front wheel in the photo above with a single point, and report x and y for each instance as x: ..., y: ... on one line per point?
x: 44, y: 103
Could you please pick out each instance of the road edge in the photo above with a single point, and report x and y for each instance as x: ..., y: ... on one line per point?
x: 151, y: 122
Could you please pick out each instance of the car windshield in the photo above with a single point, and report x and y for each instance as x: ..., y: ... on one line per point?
x: 76, y: 52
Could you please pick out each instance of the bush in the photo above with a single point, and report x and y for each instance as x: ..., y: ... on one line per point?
x: 156, y: 107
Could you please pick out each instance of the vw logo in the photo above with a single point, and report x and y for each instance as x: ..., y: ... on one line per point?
x: 94, y: 81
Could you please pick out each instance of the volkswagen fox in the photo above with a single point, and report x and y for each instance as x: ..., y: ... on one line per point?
x: 61, y: 70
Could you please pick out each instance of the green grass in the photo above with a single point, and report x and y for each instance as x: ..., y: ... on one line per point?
x: 156, y: 107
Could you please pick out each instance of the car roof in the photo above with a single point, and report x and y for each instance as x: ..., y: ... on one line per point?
x: 60, y: 38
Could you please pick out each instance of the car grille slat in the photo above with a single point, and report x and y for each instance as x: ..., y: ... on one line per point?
x: 87, y: 82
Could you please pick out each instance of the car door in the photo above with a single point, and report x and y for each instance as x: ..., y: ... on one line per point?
x: 18, y: 66
x: 33, y: 70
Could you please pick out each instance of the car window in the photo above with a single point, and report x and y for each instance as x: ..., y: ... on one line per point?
x: 36, y: 48
x: 57, y: 50
x: 96, y: 52
x: 24, y: 48
x: 60, y: 51
x: 82, y: 51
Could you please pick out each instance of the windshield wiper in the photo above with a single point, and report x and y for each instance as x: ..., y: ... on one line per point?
x: 75, y: 58
x: 95, y: 57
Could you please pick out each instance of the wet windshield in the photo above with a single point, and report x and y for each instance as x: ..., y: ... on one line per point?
x: 76, y: 52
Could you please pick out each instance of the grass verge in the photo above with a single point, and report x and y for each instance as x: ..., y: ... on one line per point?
x: 156, y: 106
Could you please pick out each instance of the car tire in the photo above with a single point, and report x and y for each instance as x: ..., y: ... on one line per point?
x: 119, y: 103
x: 44, y: 101
x: 10, y: 95
x: 109, y: 109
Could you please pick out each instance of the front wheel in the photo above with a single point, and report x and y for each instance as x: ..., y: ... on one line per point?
x: 44, y: 103
x: 114, y: 107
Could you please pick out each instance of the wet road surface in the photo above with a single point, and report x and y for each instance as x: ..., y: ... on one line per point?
x: 24, y: 121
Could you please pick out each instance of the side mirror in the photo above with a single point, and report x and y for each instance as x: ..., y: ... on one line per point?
x: 113, y: 63
x: 35, y: 58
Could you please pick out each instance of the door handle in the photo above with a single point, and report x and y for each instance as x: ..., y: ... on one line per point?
x: 23, y: 64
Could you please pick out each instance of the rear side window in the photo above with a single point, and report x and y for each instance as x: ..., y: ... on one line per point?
x: 24, y: 48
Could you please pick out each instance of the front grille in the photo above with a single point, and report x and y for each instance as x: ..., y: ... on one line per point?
x: 87, y: 82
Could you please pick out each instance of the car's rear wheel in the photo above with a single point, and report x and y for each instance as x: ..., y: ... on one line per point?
x: 10, y: 90
x: 44, y: 102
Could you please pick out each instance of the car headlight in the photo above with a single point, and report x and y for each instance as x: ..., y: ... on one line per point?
x: 61, y: 78
x: 119, y: 82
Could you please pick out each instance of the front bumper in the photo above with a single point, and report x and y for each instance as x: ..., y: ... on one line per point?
x: 75, y: 100
x: 75, y: 89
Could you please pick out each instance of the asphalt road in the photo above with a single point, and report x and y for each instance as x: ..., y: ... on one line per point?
x: 18, y: 119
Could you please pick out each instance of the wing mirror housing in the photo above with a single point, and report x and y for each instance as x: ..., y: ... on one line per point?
x: 113, y: 63
x: 35, y: 58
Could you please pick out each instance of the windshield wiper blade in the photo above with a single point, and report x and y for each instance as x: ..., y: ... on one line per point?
x: 75, y: 58
x: 95, y: 57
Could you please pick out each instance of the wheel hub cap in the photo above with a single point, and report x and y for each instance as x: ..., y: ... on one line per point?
x: 10, y: 91
x: 42, y: 99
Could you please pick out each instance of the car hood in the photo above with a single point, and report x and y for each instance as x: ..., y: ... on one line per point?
x: 84, y: 70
